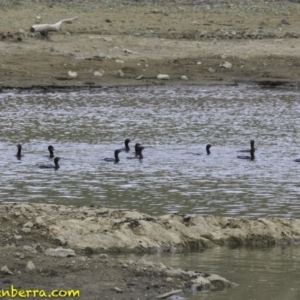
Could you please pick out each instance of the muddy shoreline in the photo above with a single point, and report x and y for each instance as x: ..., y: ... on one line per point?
x: 74, y: 248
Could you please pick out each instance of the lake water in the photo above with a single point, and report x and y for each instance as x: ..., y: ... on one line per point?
x: 171, y: 122
x: 261, y: 273
x: 87, y: 126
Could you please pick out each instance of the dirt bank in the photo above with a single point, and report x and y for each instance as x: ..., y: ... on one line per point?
x: 72, y: 248
x: 36, y: 254
x: 221, y: 43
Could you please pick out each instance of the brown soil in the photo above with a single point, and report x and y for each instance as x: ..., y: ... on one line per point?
x: 260, y: 40
x: 96, y: 277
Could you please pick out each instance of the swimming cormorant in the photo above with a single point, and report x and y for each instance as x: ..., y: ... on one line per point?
x: 19, y: 154
x: 136, y: 153
x: 127, y: 141
x: 208, y: 146
x: 116, y: 159
x: 140, y: 154
x: 252, y: 157
x: 251, y: 146
x: 51, y: 149
x: 51, y: 166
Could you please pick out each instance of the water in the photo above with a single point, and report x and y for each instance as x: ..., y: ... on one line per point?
x: 87, y: 126
x: 266, y: 273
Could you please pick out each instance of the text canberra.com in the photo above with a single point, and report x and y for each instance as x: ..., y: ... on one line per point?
x: 14, y: 293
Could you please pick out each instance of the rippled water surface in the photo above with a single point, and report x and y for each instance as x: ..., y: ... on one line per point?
x: 87, y: 126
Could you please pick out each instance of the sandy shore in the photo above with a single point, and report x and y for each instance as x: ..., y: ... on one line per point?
x: 115, y: 44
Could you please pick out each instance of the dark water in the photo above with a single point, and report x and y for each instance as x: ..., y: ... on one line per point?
x: 87, y: 126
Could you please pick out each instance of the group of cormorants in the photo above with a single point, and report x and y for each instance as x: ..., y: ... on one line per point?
x: 137, y: 155
x: 44, y: 166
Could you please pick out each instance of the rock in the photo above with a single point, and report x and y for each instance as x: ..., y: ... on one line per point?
x: 108, y: 39
x: 30, y: 249
x: 38, y: 19
x: 212, y: 281
x: 211, y: 70
x: 119, y: 61
x: 171, y: 293
x: 6, y: 270
x: 183, y: 77
x: 285, y: 22
x: 26, y: 230
x: 39, y: 221
x: 118, y: 290
x: 20, y: 255
x: 226, y: 65
x: 163, y: 77
x: 139, y: 77
x: 199, y: 63
x: 128, y: 51
x: 101, y: 55
x: 22, y: 32
x: 120, y: 74
x: 60, y: 252
x: 60, y: 240
x: 88, y: 251
x: 30, y: 266
x: 28, y: 224
x: 98, y: 74
x: 72, y: 74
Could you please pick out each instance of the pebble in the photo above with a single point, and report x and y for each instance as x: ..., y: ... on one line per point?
x: 183, y: 77
x: 30, y: 266
x: 6, y: 270
x: 118, y: 290
x: 163, y: 76
x: 98, y: 74
x: 60, y: 252
x: 226, y: 65
x: 28, y: 224
x: 72, y: 74
x: 128, y: 51
x: 39, y: 220
x: 120, y: 73
x: 102, y: 55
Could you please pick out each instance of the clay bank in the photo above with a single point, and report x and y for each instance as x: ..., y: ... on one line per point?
x: 47, y: 231
x: 108, y: 230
